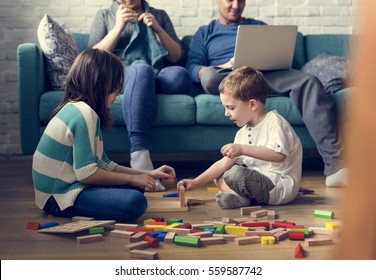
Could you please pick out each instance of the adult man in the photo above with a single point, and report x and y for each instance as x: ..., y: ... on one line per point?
x: 210, y: 59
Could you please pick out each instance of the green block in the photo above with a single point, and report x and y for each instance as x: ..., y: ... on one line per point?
x: 324, y: 214
x: 96, y: 230
x: 174, y: 220
x: 220, y: 229
x: 187, y: 241
x: 305, y: 230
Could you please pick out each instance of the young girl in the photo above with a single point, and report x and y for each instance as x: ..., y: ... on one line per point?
x: 72, y: 174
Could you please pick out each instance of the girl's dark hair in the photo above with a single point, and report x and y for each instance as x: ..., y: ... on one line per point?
x: 93, y: 76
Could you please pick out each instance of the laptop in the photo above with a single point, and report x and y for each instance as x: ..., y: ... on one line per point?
x: 265, y: 47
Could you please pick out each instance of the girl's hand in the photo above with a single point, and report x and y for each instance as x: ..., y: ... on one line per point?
x: 163, y: 172
x: 231, y: 150
x: 150, y: 21
x: 143, y: 181
x: 187, y: 183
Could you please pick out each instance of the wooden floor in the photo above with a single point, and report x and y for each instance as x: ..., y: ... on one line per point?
x: 17, y: 208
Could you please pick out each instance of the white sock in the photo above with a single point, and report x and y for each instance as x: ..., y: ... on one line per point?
x: 141, y: 160
x: 338, y: 179
x: 231, y: 200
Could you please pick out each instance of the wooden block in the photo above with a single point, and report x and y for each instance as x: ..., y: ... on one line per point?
x: 76, y: 226
x: 212, y: 240
x: 201, y: 234
x: 182, y: 196
x: 193, y: 201
x: 212, y: 189
x: 267, y: 239
x: 141, y: 254
x: 271, y: 214
x: 169, y: 238
x: 246, y: 211
x: 124, y: 226
x: 121, y: 234
x: 323, y: 214
x: 299, y: 251
x: 140, y: 229
x: 189, y: 241
x: 48, y: 225
x: 321, y: 230
x: 220, y: 229
x: 238, y: 230
x: 257, y: 228
x: 259, y: 213
x: 281, y: 235
x: 258, y: 233
x: 138, y: 245
x: 202, y: 225
x: 139, y: 236
x: 89, y: 238
x: 32, y: 225
x: 174, y: 220
x: 82, y: 218
x: 306, y: 231
x: 229, y: 220
x: 247, y: 240
x: 332, y: 225
x: 282, y: 224
x: 318, y: 241
x: 296, y: 235
x: 153, y: 242
x: 243, y: 220
x: 96, y: 230
x: 179, y: 231
x: 227, y: 237
x: 256, y: 224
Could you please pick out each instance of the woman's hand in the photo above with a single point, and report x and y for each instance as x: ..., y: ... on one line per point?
x: 163, y: 172
x: 143, y: 181
x: 149, y: 20
x: 123, y: 16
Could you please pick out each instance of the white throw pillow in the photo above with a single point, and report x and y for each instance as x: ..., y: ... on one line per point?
x: 59, y: 48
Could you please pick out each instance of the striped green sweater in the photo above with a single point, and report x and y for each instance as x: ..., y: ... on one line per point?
x: 70, y: 150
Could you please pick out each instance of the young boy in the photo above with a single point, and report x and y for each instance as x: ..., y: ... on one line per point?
x: 265, y: 161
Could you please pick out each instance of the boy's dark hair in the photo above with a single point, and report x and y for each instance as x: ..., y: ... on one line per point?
x: 245, y: 83
x: 93, y: 76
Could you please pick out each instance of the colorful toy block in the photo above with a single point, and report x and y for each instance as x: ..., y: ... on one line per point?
x: 324, y: 214
x: 238, y: 230
x: 153, y: 242
x: 267, y: 240
x: 293, y: 235
x: 257, y: 224
x: 220, y: 229
x: 332, y: 225
x: 173, y: 194
x: 33, y: 225
x: 96, y: 230
x: 299, y: 251
x: 174, y: 220
x: 187, y: 241
x: 48, y: 225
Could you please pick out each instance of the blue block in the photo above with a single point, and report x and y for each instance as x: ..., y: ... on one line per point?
x: 173, y: 194
x: 161, y: 236
x: 48, y: 225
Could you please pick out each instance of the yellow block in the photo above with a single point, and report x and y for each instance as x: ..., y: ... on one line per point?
x: 172, y: 226
x: 267, y: 240
x: 157, y: 227
x: 331, y: 225
x: 237, y: 230
x: 212, y: 189
x: 148, y: 220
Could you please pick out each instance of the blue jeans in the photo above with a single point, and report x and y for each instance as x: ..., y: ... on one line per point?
x: 139, y: 101
x: 122, y: 203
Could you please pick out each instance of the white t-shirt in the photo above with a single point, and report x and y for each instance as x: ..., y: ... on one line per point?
x: 275, y: 133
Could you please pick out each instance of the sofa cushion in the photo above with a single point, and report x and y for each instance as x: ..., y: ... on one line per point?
x: 59, y: 48
x: 210, y: 110
x: 172, y: 110
x: 336, y: 44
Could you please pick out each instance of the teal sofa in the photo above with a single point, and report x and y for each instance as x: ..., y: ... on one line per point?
x: 192, y: 124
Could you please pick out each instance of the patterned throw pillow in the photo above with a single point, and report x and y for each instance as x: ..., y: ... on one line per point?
x: 59, y: 49
x: 331, y: 70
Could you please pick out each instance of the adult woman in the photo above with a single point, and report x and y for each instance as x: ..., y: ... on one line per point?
x: 151, y: 67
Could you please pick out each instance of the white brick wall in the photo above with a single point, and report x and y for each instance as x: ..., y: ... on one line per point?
x: 19, y: 21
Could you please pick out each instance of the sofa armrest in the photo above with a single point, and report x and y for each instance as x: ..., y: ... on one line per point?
x: 31, y: 84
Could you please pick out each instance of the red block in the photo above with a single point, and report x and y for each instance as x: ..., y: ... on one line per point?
x: 32, y: 225
x: 158, y: 219
x: 299, y: 251
x: 296, y: 235
x: 282, y: 224
x: 153, y: 242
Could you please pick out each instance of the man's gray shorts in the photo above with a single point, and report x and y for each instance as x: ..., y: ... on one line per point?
x: 248, y: 183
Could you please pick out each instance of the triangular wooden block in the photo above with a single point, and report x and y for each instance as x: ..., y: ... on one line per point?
x: 299, y: 251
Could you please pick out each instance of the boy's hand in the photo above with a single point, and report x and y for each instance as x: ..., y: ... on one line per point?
x: 232, y: 150
x: 187, y: 183
x: 163, y: 172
